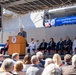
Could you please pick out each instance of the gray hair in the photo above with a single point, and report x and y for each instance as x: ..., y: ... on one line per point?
x: 74, y: 60
x: 48, y: 61
x: 39, y: 55
x: 14, y: 55
x: 34, y: 59
x: 8, y: 63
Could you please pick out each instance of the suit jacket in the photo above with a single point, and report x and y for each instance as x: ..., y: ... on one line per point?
x: 51, y: 45
x: 69, y: 43
x: 41, y: 63
x: 22, y: 34
x: 68, y: 70
x: 60, y: 45
x: 34, y: 70
x: 44, y: 46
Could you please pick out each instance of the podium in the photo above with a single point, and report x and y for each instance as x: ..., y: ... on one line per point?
x: 17, y: 44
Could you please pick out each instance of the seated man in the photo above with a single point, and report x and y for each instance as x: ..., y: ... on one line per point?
x: 60, y: 46
x: 5, y: 47
x: 43, y: 46
x: 67, y: 45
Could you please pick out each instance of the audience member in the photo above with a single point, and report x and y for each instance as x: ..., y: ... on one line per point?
x: 70, y: 69
x: 5, y: 47
x: 40, y: 57
x: 1, y: 59
x: 74, y: 46
x: 15, y: 57
x: 57, y: 60
x: 34, y: 69
x: 51, y: 70
x: 43, y: 45
x: 8, y: 67
x: 60, y: 46
x: 48, y: 61
x: 18, y: 68
x: 26, y: 62
x: 51, y: 45
x: 67, y: 59
x: 32, y: 46
x: 67, y: 45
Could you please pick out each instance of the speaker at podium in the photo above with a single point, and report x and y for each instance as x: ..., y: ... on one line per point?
x: 17, y: 44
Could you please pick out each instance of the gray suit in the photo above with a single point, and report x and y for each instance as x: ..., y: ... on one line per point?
x: 34, y: 70
x: 68, y: 70
x: 22, y: 34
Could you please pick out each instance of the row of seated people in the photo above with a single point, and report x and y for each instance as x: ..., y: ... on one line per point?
x: 61, y: 45
x: 36, y: 65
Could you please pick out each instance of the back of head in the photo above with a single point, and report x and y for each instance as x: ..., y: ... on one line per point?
x: 39, y: 55
x: 51, y: 70
x: 34, y: 59
x: 27, y: 59
x: 8, y: 64
x: 48, y: 61
x: 18, y: 66
x: 74, y: 60
x: 14, y: 55
x: 67, y: 58
x: 57, y: 59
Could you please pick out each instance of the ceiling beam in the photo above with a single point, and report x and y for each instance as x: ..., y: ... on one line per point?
x: 17, y: 3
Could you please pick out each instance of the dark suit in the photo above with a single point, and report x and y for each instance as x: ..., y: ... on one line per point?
x: 67, y: 45
x: 51, y: 46
x: 41, y: 63
x: 43, y: 46
x: 60, y: 46
x: 22, y: 34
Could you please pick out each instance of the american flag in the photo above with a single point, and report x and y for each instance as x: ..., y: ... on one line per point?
x: 47, y: 23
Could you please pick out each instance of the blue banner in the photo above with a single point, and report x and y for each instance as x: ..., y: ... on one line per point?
x: 63, y: 21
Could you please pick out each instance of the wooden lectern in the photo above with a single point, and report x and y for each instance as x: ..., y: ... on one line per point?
x: 17, y: 44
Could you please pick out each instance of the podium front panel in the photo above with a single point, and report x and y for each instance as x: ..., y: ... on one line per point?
x: 19, y: 48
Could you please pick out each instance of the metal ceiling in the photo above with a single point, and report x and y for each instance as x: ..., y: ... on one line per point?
x: 25, y: 6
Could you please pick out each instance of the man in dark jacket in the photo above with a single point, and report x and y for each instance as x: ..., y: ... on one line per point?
x: 22, y: 33
x: 67, y: 45
x: 43, y: 46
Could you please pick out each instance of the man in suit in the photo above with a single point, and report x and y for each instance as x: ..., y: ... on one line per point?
x: 43, y: 45
x: 67, y: 45
x: 60, y: 45
x: 34, y: 69
x: 22, y: 33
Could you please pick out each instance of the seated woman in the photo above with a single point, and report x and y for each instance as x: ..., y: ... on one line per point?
x: 5, y: 47
x: 18, y: 68
x: 51, y: 45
